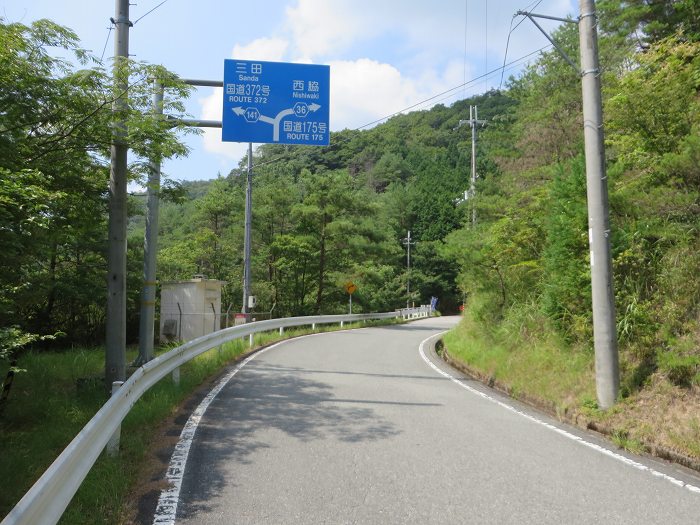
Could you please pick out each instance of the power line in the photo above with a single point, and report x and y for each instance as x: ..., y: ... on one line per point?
x: 466, y: 12
x: 509, y: 67
x: 533, y: 5
x: 112, y: 27
x: 149, y: 12
x: 449, y: 93
x: 451, y: 90
x: 486, y: 43
x: 106, y: 42
x: 510, y: 32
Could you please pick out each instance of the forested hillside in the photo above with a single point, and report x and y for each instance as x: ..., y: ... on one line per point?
x: 323, y: 216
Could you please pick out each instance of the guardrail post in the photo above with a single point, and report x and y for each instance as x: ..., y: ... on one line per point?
x: 250, y: 340
x: 281, y: 330
x: 313, y: 326
x: 341, y: 324
x: 176, y: 376
x: 112, y: 447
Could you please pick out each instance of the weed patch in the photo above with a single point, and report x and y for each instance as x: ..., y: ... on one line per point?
x: 659, y: 404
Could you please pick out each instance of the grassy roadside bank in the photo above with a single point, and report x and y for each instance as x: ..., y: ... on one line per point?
x: 60, y: 392
x: 658, y: 418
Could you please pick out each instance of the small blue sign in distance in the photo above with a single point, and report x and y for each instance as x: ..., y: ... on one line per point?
x: 276, y: 103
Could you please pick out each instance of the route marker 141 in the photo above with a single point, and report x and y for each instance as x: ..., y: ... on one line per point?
x: 276, y: 102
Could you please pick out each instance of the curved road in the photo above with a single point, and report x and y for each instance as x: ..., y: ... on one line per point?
x: 357, y: 427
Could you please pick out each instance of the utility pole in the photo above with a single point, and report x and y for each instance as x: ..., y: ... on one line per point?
x: 248, y: 226
x: 150, y: 246
x: 473, y: 122
x: 407, y: 241
x: 604, y: 329
x: 603, y: 296
x: 115, y: 355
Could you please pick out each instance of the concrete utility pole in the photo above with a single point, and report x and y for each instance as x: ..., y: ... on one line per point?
x: 604, y: 329
x: 407, y: 241
x: 603, y: 296
x: 248, y: 226
x: 473, y: 122
x: 150, y: 246
x: 115, y: 355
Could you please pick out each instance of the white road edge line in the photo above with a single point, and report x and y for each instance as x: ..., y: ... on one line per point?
x: 170, y: 497
x: 166, y: 509
x: 569, y: 435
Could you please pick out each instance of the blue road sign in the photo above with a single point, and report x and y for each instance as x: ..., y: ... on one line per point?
x: 276, y: 102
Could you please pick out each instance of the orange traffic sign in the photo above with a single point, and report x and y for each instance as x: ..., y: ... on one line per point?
x: 350, y: 287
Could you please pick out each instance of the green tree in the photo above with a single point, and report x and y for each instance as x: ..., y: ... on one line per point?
x: 54, y: 138
x: 647, y: 21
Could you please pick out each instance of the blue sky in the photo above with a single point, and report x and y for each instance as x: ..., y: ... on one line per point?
x: 385, y: 55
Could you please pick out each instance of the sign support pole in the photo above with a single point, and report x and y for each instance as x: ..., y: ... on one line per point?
x: 150, y: 246
x: 407, y: 241
x: 248, y: 225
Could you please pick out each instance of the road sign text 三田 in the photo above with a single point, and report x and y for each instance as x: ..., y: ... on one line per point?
x: 276, y: 102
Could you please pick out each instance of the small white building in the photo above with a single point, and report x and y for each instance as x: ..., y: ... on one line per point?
x: 189, y: 309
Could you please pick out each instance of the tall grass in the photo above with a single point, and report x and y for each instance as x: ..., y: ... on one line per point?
x: 530, y: 360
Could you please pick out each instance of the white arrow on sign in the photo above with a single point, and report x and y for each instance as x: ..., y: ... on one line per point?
x: 275, y: 121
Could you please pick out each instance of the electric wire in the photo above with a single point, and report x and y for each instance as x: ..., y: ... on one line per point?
x: 533, y: 5
x: 448, y: 92
x: 451, y: 90
x: 505, y: 55
x: 466, y: 13
x: 106, y: 42
x: 486, y: 43
x: 149, y: 12
x: 509, y: 67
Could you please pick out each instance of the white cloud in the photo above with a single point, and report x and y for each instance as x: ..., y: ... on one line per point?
x: 211, y: 138
x: 364, y: 90
x: 387, y: 56
x: 272, y: 49
x: 320, y: 27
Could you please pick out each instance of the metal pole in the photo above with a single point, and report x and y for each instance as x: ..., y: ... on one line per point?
x: 407, y: 241
x: 472, y: 182
x: 408, y: 268
x: 179, y: 323
x: 604, y: 330
x: 473, y: 123
x: 553, y: 42
x: 150, y: 247
x: 350, y: 303
x: 248, y: 221
x: 112, y: 447
x: 115, y: 354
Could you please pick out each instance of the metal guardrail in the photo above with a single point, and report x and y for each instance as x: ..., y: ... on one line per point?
x: 48, y: 498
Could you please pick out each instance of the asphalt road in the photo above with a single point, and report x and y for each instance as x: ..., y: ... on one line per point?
x: 356, y: 427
